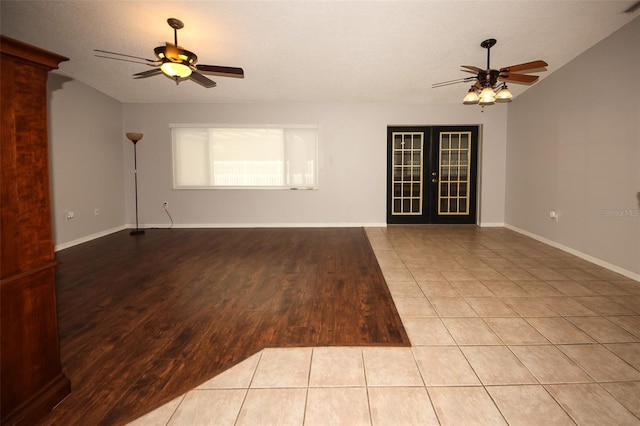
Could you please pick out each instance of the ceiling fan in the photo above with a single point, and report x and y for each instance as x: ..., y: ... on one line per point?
x: 176, y: 62
x: 490, y: 84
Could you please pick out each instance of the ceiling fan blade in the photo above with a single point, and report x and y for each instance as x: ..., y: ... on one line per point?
x: 122, y: 54
x: 221, y: 71
x: 456, y: 81
x: 633, y: 7
x: 202, y: 80
x: 149, y: 73
x: 470, y: 71
x: 518, y: 78
x: 472, y: 68
x: 526, y: 66
x: 128, y: 60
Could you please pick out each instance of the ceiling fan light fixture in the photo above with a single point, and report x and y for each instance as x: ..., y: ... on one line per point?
x: 176, y: 69
x: 493, y: 81
x: 175, y: 62
x: 487, y: 96
x: 504, y: 95
x: 472, y: 97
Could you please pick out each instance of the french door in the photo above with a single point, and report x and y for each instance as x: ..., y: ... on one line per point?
x: 432, y: 174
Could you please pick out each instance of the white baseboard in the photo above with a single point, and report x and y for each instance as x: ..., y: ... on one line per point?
x: 588, y: 258
x: 491, y: 225
x: 68, y: 244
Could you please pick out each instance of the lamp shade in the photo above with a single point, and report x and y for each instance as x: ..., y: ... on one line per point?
x: 472, y: 97
x: 487, y: 96
x: 504, y: 95
x: 134, y: 137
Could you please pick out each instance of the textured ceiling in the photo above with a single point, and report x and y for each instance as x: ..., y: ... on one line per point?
x: 311, y: 51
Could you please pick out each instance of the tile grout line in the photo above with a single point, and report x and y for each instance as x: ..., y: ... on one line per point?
x: 173, y: 413
x: 246, y: 393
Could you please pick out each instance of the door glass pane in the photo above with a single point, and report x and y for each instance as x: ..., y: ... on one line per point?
x: 416, y: 158
x: 464, y: 141
x: 445, y: 141
x: 397, y: 142
x: 397, y: 174
x: 454, y: 141
x: 444, y: 158
x: 444, y: 174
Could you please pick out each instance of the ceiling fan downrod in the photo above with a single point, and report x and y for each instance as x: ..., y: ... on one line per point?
x: 488, y: 44
x: 489, y: 77
x: 176, y: 24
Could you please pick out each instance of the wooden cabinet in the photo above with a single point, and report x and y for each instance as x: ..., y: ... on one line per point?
x: 31, y: 373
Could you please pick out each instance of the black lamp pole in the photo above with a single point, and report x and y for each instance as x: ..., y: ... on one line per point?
x: 135, y: 137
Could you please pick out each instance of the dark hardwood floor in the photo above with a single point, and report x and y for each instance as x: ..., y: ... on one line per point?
x: 144, y: 319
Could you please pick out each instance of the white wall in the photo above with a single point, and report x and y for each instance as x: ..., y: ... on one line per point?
x: 86, y: 157
x: 352, y: 168
x: 574, y: 147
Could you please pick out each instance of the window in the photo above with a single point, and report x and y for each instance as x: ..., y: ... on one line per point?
x: 216, y: 157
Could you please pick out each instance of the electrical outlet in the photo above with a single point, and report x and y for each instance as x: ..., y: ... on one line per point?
x: 96, y: 212
x: 165, y: 205
x: 69, y: 215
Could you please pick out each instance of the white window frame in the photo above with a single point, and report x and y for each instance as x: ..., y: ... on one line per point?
x: 286, y: 182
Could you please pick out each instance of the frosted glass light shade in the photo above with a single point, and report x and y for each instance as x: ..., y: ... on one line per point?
x: 504, y: 95
x: 472, y: 98
x: 175, y: 69
x: 487, y: 96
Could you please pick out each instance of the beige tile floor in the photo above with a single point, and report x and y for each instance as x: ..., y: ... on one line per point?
x: 505, y: 330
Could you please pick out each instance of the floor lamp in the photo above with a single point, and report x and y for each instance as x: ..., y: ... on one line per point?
x: 135, y: 137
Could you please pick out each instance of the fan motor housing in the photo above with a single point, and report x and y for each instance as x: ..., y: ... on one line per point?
x: 488, y: 77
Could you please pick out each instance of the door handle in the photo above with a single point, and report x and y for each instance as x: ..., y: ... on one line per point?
x: 434, y: 180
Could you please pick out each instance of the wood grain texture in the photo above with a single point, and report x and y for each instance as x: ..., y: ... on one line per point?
x: 144, y: 319
x: 31, y: 373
